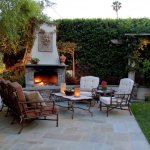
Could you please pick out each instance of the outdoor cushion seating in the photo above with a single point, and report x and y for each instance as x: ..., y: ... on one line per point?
x: 22, y: 109
x: 33, y: 96
x: 87, y: 84
x: 120, y: 99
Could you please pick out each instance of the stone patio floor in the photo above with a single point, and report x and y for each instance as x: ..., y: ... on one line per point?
x: 119, y: 131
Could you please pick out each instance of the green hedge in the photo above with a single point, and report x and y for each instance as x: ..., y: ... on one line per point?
x: 96, y: 54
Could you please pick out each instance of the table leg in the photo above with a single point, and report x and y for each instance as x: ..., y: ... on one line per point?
x: 72, y: 107
x: 90, y: 109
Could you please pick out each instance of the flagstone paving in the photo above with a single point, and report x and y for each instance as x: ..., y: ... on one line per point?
x: 118, y: 131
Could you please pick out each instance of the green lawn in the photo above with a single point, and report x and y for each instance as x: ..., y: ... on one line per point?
x: 141, y: 111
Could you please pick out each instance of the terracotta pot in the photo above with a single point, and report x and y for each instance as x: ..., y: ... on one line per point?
x: 62, y: 59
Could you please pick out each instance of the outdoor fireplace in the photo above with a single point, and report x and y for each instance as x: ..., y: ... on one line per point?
x: 44, y: 75
x: 49, y: 71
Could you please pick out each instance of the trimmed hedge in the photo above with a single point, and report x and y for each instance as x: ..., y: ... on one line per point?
x: 96, y: 54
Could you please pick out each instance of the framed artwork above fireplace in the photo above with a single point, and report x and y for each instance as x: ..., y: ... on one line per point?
x: 45, y: 41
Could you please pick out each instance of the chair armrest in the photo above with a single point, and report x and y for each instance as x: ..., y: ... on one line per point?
x: 120, y: 95
x: 94, y: 93
x: 36, y: 104
x: 120, y: 98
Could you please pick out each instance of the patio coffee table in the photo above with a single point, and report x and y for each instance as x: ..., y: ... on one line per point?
x: 72, y: 100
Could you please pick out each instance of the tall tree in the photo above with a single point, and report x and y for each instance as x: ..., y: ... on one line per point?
x: 18, y: 20
x: 116, y: 7
x: 47, y: 3
x: 15, y: 15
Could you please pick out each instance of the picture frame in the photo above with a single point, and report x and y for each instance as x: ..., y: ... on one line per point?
x: 45, y: 41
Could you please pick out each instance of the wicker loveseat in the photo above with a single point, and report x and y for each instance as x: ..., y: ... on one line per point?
x: 15, y: 99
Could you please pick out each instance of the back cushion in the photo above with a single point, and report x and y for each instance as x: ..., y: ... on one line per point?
x: 34, y: 96
x: 125, y: 86
x: 18, y: 88
x: 87, y: 83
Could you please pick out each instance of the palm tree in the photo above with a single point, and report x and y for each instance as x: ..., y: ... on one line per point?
x: 116, y: 6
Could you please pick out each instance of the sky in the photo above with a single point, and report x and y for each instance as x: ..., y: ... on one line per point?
x: 98, y: 9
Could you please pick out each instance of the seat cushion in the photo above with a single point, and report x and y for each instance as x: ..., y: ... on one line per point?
x: 86, y: 94
x: 107, y: 100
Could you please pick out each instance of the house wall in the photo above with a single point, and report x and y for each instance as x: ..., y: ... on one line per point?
x: 142, y: 92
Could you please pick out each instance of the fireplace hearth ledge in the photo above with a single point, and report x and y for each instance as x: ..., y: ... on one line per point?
x: 39, y: 88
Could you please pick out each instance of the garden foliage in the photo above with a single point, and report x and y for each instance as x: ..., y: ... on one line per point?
x: 96, y: 54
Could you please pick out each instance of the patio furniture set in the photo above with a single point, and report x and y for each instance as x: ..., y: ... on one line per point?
x: 30, y: 105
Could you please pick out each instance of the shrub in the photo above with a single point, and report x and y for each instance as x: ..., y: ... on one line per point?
x: 17, y: 75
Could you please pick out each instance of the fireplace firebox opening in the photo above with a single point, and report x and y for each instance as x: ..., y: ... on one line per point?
x: 45, y: 77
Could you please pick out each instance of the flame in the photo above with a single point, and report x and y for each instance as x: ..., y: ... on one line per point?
x: 44, y: 79
x: 41, y: 83
x: 37, y: 80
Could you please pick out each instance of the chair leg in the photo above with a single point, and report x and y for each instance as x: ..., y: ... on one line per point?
x: 12, y: 122
x: 7, y: 112
x: 57, y: 121
x: 129, y: 109
x: 100, y: 105
x: 22, y: 122
x: 2, y: 107
x: 107, y: 110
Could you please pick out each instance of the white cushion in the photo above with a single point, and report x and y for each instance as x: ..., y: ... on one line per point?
x: 87, y: 83
x: 125, y: 86
x: 107, y: 100
x: 86, y: 94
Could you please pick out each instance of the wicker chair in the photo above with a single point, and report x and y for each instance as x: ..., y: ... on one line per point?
x: 120, y: 99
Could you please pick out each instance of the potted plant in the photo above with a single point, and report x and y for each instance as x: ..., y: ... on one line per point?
x: 34, y: 60
x: 69, y: 92
x: 103, y: 85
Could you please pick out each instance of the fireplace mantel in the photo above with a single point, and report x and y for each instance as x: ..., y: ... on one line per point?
x: 45, y: 65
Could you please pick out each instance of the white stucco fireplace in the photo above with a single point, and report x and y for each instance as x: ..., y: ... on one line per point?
x: 49, y: 71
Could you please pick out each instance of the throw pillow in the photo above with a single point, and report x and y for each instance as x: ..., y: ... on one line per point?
x: 34, y: 96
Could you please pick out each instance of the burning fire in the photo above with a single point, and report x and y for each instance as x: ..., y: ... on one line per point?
x: 45, y: 80
x: 37, y: 80
x: 41, y: 84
